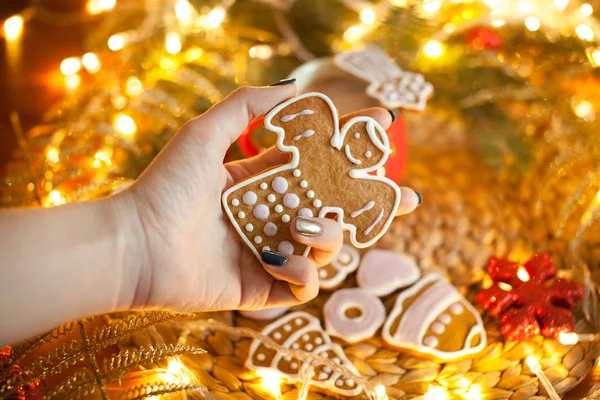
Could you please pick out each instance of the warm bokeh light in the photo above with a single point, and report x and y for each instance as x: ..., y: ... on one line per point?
x: 586, y: 9
x: 102, y: 159
x: 433, y: 49
x: 54, y: 198
x: 532, y: 23
x: 523, y: 275
x: 432, y: 6
x: 367, y: 16
x: 173, y: 43
x: 124, y: 124
x: 593, y: 55
x: 116, y: 42
x: 13, y: 27
x: 504, y: 286
x: 261, y: 52
x: 568, y: 338
x: 435, y: 393
x: 177, y: 368
x: 52, y: 155
x: 133, y: 86
x: 584, y: 110
x: 192, y: 54
x: 271, y: 380
x: 215, y: 17
x: 474, y: 393
x: 72, y: 81
x: 584, y: 32
x: 561, y: 4
x: 525, y: 7
x: 353, y: 34
x: 91, y: 62
x: 183, y: 10
x: 380, y: 393
x: 70, y: 66
x: 95, y: 7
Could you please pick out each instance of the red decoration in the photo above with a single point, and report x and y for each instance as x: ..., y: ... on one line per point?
x: 29, y: 391
x: 529, y: 307
x: 480, y: 38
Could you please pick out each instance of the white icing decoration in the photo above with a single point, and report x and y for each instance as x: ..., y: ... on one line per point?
x: 305, y: 134
x: 290, y: 117
x: 279, y: 185
x: 457, y: 309
x: 339, y: 382
x: 271, y: 198
x: 298, y: 321
x: 349, y: 382
x: 306, y: 337
x: 305, y: 212
x: 258, y: 240
x: 249, y: 227
x: 438, y: 328
x: 323, y: 376
x: 270, y: 229
x: 260, y: 357
x: 370, y: 227
x: 295, y: 346
x: 291, y: 200
x: 303, y: 184
x: 310, y: 194
x: 364, y: 208
x: 350, y: 157
x: 430, y: 297
x: 345, y: 263
x: 297, y: 173
x: 261, y: 211
x: 322, y: 273
x: 356, y: 329
x: 430, y: 341
x: 264, y: 186
x: 285, y: 218
x: 382, y: 272
x: 368, y: 153
x: 324, y: 355
x: 285, y: 247
x: 241, y: 215
x: 249, y: 198
x: 378, y: 138
x: 278, y: 208
x: 308, y: 347
x: 235, y: 202
x: 287, y: 328
x: 356, y: 135
x: 317, y: 203
x: 294, y: 365
x: 318, y: 340
x: 266, y: 248
x: 336, y: 360
x: 277, y: 336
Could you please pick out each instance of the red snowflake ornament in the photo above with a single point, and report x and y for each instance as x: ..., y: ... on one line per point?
x: 529, y: 307
x: 28, y: 391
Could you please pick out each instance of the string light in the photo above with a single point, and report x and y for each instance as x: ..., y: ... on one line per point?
x: 561, y: 4
x: 435, y: 393
x: 536, y: 368
x: 52, y: 155
x: 183, y: 10
x: 215, y: 17
x: 133, y: 86
x: 433, y: 49
x: 353, y: 33
x: 504, y: 286
x: 116, y: 42
x: 173, y: 43
x: 498, y: 22
x: 584, y: 110
x: 102, y: 159
x: 96, y: 7
x: 493, y: 4
x: 593, y: 54
x: 13, y: 27
x: 72, y: 81
x: 584, y: 32
x: 586, y: 9
x: 54, y: 198
x: 367, y: 16
x: 124, y: 124
x: 261, y: 51
x: 525, y: 7
x: 380, y: 393
x: 532, y: 23
x: 271, y: 380
x: 70, y: 66
x: 192, y: 54
x: 474, y: 393
x: 523, y: 275
x: 91, y: 62
x: 177, y: 368
x: 432, y: 6
x: 570, y: 338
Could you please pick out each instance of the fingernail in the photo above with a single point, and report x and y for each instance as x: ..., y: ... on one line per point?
x: 273, y: 258
x: 307, y: 227
x: 284, y: 82
x: 393, y: 114
x: 420, y: 196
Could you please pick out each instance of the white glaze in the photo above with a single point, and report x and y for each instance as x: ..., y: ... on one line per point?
x: 382, y: 272
x: 375, y: 222
x: 290, y: 117
x: 258, y: 240
x: 345, y: 263
x: 291, y: 200
x: 305, y: 212
x: 310, y: 194
x: 271, y: 198
x: 249, y: 227
x: 241, y: 215
x: 285, y: 218
x: 279, y: 185
x: 296, y: 173
x: 278, y: 208
x: 285, y: 247
x: 317, y: 203
x: 303, y: 184
x: 264, y: 186
x: 368, y: 153
x: 270, y: 229
x: 306, y: 134
x: 364, y: 208
x: 235, y: 202
x: 261, y: 211
x: 350, y: 157
x: 356, y: 135
x: 249, y: 198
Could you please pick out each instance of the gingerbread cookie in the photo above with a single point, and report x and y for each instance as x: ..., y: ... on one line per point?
x: 331, y: 172
x: 301, y: 331
x: 332, y: 275
x: 382, y: 272
x: 432, y: 318
x: 353, y: 314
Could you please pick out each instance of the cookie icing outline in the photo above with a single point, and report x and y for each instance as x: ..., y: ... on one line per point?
x: 429, y: 319
x: 337, y: 139
x: 342, y: 271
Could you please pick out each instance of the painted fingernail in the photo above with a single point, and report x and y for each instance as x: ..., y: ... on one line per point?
x: 393, y: 114
x: 273, y: 258
x: 284, y: 82
x: 420, y: 196
x: 308, y: 227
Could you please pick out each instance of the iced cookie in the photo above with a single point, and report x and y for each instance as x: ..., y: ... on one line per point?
x: 302, y: 331
x: 331, y: 172
x: 381, y: 272
x: 353, y: 314
x: 332, y: 275
x: 266, y: 314
x: 432, y: 318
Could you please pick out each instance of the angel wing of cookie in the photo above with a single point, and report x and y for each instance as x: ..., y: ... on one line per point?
x: 370, y: 64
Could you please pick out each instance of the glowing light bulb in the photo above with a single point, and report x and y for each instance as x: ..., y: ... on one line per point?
x: 176, y: 367
x: 271, y: 380
x: 353, y: 34
x: 593, y: 55
x: 474, y: 393
x: 432, y: 6
x: 399, y: 3
x: 91, y: 62
x: 94, y: 7
x: 72, y: 81
x: 52, y: 155
x: 102, y: 159
x: 561, y: 4
x: 173, y: 43
x: 367, y: 16
x: 498, y: 22
x: 533, y: 364
x: 584, y: 32
x: 261, y: 51
x: 192, y: 54
x: 586, y: 9
x: 183, y: 10
x: 215, y: 17
x: 584, y: 110
x: 433, y: 49
x: 133, y: 87
x: 380, y: 393
x: 532, y: 23
x: 124, y: 124
x: 70, y: 66
x: 504, y: 286
x: 492, y: 3
x: 525, y: 7
x: 568, y: 338
x: 523, y: 275
x: 435, y: 393
x: 598, y: 197
x: 166, y: 63
x: 116, y: 42
x: 108, y: 4
x: 13, y: 27
x: 54, y: 198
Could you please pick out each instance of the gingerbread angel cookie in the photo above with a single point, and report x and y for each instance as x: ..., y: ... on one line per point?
x: 331, y: 172
x: 301, y: 331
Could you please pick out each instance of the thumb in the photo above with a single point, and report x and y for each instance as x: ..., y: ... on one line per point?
x: 228, y: 119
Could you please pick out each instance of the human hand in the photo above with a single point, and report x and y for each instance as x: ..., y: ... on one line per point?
x: 189, y: 256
